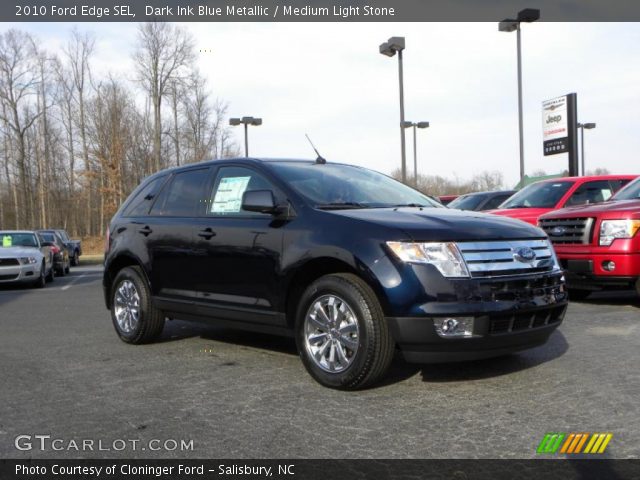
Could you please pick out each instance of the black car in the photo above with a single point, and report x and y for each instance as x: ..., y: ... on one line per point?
x: 73, y: 246
x: 60, y: 250
x: 350, y: 262
x: 480, y: 201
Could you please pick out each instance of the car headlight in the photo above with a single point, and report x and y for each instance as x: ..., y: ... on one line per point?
x: 612, y: 229
x: 28, y: 260
x: 444, y: 256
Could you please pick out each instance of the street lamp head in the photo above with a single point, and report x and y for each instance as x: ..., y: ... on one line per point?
x: 391, y: 46
x: 589, y: 126
x: 508, y: 25
x: 256, y: 121
x: 423, y: 125
x: 529, y: 15
x: 247, y: 120
x: 234, y: 121
x: 385, y: 49
x: 407, y: 124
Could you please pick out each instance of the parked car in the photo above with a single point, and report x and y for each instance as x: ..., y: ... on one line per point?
x: 25, y: 259
x: 74, y: 247
x: 60, y: 250
x: 548, y: 195
x: 447, y: 199
x: 479, y: 201
x: 599, y: 245
x: 348, y: 261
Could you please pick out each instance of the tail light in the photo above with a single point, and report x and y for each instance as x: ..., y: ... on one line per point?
x: 55, y: 250
x: 107, y: 241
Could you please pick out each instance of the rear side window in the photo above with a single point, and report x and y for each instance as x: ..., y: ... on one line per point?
x: 591, y: 192
x: 142, y: 202
x: 183, y: 195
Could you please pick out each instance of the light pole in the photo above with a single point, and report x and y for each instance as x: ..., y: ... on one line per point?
x: 415, y: 154
x: 582, y: 126
x: 390, y: 48
x: 246, y: 121
x: 509, y: 25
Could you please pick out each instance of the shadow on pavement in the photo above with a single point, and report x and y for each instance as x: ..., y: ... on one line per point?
x: 623, y: 297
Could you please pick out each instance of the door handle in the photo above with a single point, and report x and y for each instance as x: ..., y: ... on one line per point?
x: 145, y: 230
x: 207, y: 233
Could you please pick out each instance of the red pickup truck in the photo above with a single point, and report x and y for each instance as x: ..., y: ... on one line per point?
x: 598, y: 245
x: 548, y: 195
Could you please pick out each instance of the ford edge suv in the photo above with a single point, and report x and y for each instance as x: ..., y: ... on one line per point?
x: 350, y: 262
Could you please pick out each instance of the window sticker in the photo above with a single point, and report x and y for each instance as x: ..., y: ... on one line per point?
x: 228, y: 197
x: 6, y: 241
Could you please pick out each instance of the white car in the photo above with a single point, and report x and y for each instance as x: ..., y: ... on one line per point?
x: 25, y: 259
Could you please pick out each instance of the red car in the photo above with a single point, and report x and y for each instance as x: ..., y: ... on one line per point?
x: 548, y: 195
x: 599, y: 246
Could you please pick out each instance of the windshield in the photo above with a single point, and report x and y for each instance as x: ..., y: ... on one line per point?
x: 538, y: 195
x: 11, y: 239
x: 630, y: 192
x: 466, y: 202
x: 336, y: 186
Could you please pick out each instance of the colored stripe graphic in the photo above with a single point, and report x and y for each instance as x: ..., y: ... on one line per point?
x: 596, y: 443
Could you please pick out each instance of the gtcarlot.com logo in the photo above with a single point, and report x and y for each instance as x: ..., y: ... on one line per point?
x: 574, y: 443
x: 48, y: 442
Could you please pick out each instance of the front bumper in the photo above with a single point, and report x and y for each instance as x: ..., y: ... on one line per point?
x: 19, y: 273
x: 586, y: 272
x: 493, y: 335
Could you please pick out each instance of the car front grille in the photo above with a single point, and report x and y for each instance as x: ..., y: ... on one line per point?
x: 9, y: 262
x: 505, y: 258
x: 8, y: 277
x: 568, y: 230
x: 521, y: 321
x: 520, y: 290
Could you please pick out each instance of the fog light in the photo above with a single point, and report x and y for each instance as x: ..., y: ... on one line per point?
x: 609, y: 265
x: 454, y: 327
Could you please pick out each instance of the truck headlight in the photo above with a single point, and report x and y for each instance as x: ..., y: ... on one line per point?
x: 444, y: 256
x: 28, y: 260
x: 612, y: 229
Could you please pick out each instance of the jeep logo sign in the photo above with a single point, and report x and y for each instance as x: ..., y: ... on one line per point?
x: 555, y: 131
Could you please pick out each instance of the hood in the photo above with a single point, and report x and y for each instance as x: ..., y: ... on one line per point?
x: 441, y: 224
x: 623, y: 206
x: 17, y: 252
x: 529, y: 215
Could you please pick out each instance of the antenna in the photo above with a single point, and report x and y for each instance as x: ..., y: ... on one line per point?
x: 320, y: 159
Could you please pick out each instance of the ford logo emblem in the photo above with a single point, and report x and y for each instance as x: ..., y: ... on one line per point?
x: 524, y: 254
x: 557, y: 231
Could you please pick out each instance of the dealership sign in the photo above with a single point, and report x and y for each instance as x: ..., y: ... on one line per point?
x: 555, y: 126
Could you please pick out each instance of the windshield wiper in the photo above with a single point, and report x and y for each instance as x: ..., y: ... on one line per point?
x: 410, y: 205
x: 340, y: 205
x: 520, y: 206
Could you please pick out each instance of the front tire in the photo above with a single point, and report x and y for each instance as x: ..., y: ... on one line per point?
x: 134, y: 317
x: 75, y: 260
x: 52, y: 273
x: 341, y: 333
x: 41, y: 282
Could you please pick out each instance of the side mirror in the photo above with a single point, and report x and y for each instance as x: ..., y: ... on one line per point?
x: 261, y: 201
x: 48, y: 244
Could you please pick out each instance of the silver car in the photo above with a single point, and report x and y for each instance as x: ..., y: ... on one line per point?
x: 25, y: 259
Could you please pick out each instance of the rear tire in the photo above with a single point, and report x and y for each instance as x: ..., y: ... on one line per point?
x: 52, y: 274
x: 579, y: 295
x: 41, y: 282
x: 75, y: 260
x: 67, y: 268
x: 341, y: 333
x: 134, y: 317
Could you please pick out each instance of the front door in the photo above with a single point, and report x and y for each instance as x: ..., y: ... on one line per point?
x: 238, y: 252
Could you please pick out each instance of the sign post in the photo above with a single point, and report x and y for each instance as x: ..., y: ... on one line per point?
x: 560, y: 128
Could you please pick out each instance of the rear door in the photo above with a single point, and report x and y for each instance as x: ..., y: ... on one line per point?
x: 168, y: 232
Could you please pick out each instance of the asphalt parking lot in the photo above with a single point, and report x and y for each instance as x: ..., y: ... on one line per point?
x: 64, y: 373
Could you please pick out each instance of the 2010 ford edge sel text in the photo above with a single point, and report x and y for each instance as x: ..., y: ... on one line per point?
x: 352, y: 263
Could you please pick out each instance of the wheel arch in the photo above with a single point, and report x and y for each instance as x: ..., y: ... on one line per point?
x: 318, y: 267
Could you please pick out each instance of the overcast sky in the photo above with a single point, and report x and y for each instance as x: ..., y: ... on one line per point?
x: 328, y: 80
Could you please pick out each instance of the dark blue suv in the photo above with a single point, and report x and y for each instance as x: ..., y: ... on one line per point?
x: 352, y: 263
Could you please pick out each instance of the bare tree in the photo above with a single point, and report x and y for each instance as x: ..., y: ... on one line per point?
x: 163, y: 56
x: 19, y: 82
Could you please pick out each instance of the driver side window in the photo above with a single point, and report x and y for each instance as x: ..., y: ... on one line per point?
x: 230, y: 184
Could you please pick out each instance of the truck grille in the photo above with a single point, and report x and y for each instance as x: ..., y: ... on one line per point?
x: 525, y: 320
x: 8, y: 262
x: 505, y: 258
x: 568, y: 230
